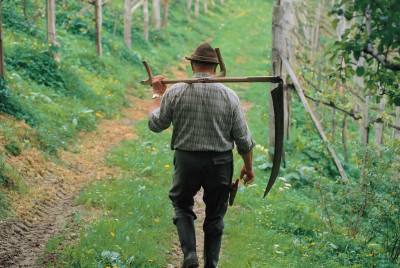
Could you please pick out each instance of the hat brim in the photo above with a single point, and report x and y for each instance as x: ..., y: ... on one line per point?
x: 202, y: 59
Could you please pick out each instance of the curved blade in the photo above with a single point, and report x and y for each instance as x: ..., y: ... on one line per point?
x: 277, y: 99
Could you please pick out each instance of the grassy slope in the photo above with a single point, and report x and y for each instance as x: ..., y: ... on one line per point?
x: 284, y: 230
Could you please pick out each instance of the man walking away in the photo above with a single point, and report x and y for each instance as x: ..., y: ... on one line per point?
x: 208, y: 119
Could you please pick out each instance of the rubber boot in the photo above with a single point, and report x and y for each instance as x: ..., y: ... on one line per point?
x: 187, y: 237
x: 212, y: 246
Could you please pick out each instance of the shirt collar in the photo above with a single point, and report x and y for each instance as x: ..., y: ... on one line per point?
x: 197, y: 75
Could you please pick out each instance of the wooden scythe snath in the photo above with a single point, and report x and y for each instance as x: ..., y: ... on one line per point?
x: 277, y: 99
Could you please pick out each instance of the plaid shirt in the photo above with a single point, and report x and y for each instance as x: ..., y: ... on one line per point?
x: 206, y: 117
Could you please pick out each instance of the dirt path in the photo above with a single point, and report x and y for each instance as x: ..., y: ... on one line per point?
x: 49, y: 204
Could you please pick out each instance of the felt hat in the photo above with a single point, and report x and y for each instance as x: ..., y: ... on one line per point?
x: 204, y: 53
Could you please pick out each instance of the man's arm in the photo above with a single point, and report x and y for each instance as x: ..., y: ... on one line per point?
x: 247, y: 168
x: 158, y: 88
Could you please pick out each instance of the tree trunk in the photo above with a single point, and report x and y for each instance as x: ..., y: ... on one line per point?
x: 379, y: 126
x: 146, y: 19
x: 165, y: 15
x: 196, y: 8
x: 205, y: 6
x: 99, y: 21
x: 2, y: 71
x: 156, y: 14
x: 364, y: 125
x: 51, y: 25
x: 127, y: 24
x: 189, y: 7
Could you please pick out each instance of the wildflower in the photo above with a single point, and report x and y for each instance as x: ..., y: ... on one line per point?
x: 34, y: 43
x: 108, y: 212
x: 49, y: 44
x: 156, y: 220
x: 294, y: 120
x: 112, y: 234
x: 313, y: 244
x: 43, y: 45
x: 153, y: 148
x: 166, y: 166
x: 150, y: 261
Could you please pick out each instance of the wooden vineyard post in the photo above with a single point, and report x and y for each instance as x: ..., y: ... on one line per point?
x: 396, y: 132
x: 51, y: 26
x: 196, y: 8
x: 156, y: 9
x: 396, y: 136
x: 99, y: 22
x: 128, y: 23
x: 2, y: 70
x: 364, y: 125
x: 189, y: 7
x: 146, y: 19
x: 281, y: 28
x: 165, y: 14
x: 378, y: 140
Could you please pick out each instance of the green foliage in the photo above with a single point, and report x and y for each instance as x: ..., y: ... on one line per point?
x: 368, y: 207
x: 374, y: 29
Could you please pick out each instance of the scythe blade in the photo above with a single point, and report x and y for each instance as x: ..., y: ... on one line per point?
x: 277, y: 99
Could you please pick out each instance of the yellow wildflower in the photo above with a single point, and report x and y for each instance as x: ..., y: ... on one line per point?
x: 108, y: 212
x: 43, y: 45
x: 156, y: 220
x: 313, y: 243
x: 112, y: 234
x: 166, y: 166
x: 150, y: 260
x: 153, y: 148
x: 99, y: 115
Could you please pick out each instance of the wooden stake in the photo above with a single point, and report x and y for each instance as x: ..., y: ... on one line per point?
x: 378, y: 140
x: 99, y: 21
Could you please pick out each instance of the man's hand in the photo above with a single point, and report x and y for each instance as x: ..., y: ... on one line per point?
x: 158, y: 86
x: 249, y: 178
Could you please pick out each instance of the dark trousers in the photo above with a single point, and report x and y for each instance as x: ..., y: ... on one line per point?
x: 211, y: 170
